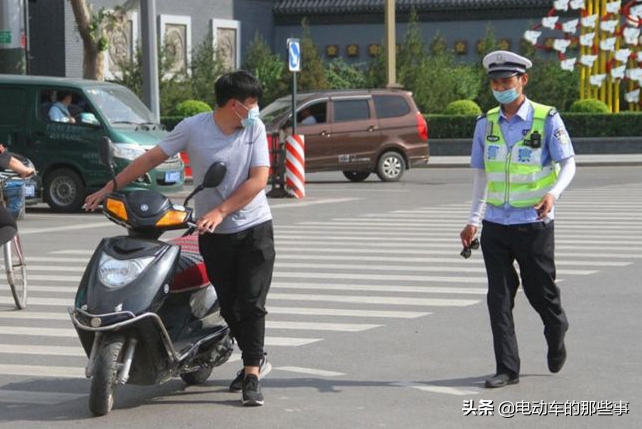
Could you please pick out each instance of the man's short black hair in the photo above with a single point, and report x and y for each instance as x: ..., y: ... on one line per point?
x: 61, y: 95
x: 239, y: 85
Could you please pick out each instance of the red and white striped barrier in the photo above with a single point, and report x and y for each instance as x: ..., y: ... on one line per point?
x: 295, y: 165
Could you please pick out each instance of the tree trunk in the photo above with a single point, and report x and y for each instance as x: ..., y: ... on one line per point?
x: 92, y: 55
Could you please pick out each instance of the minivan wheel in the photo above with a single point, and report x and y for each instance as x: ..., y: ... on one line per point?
x: 356, y: 176
x: 64, y: 190
x: 390, y: 167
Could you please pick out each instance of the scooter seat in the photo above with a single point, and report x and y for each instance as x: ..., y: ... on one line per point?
x: 190, y: 272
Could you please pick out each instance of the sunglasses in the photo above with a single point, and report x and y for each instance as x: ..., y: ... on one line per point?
x: 468, y: 250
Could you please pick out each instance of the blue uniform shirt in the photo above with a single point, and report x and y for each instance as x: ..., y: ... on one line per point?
x: 556, y: 145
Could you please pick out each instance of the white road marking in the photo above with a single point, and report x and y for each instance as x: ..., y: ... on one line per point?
x: 36, y: 398
x: 43, y: 371
x: 314, y: 326
x: 393, y: 278
x: 67, y: 333
x: 310, y: 311
x: 425, y: 259
x: 456, y: 225
x: 295, y: 204
x: 387, y: 300
x: 379, y: 288
x: 33, y: 315
x: 29, y: 349
x: 437, y: 389
x: 409, y: 268
x: 310, y: 371
x: 28, y: 231
x: 73, y: 252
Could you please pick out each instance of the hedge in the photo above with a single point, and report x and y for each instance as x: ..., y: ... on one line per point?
x: 625, y: 124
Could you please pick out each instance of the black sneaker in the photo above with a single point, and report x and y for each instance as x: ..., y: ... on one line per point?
x: 264, y: 369
x: 252, y: 396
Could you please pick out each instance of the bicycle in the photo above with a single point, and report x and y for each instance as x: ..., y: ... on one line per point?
x: 14, y: 261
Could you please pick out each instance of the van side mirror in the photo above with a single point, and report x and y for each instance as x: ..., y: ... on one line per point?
x: 213, y: 177
x: 88, y: 119
x: 106, y: 152
x: 106, y: 157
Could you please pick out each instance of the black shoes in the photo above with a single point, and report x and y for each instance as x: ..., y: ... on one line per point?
x: 501, y: 380
x: 556, y: 359
x: 252, y: 396
x: 237, y: 383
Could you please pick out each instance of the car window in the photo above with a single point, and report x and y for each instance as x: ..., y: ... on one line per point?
x: 391, y: 106
x: 351, y: 110
x: 311, y: 114
x: 53, y: 110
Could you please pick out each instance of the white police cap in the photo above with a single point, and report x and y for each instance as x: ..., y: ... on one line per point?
x: 505, y: 64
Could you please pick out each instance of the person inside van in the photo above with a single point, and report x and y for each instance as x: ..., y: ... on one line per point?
x: 8, y: 225
x: 307, y: 118
x: 59, y: 111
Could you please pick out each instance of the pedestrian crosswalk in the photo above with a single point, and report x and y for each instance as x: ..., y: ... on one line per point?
x: 345, y: 274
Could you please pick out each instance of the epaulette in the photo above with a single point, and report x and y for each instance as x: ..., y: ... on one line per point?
x: 552, y: 112
x: 482, y: 116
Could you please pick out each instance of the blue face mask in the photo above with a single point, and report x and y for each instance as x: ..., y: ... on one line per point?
x: 506, y: 97
x: 252, y: 116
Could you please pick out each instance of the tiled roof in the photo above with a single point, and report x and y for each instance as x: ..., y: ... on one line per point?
x: 297, y: 7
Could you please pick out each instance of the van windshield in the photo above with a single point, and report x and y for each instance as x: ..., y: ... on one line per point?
x: 120, y: 106
x: 279, y: 107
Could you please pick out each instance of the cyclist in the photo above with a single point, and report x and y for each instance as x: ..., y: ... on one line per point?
x: 8, y: 226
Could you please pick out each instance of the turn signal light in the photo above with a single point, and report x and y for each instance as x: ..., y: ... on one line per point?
x: 172, y: 217
x: 117, y: 208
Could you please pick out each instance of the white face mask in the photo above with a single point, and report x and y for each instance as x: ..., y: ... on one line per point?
x: 252, y: 116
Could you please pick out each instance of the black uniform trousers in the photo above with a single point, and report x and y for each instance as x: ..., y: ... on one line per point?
x: 532, y: 245
x: 240, y: 266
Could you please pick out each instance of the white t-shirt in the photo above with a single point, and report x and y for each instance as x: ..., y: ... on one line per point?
x: 242, y: 150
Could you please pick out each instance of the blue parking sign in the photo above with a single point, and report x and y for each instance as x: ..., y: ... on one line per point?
x: 294, y: 55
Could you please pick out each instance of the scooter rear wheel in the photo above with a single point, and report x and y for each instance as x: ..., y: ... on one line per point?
x: 105, y: 377
x: 197, y: 377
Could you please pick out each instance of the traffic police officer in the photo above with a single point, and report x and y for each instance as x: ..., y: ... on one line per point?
x: 523, y: 160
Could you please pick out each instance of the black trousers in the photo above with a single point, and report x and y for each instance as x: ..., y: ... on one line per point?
x: 532, y: 245
x: 240, y: 266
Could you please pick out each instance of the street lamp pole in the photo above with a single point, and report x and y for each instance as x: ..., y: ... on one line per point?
x: 391, y: 45
x: 150, y: 56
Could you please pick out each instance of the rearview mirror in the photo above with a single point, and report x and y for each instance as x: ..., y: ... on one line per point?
x: 215, y: 175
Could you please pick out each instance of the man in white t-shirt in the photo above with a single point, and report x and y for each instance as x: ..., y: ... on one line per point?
x: 234, y: 219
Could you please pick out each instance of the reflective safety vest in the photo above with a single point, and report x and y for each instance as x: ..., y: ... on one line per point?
x: 517, y: 176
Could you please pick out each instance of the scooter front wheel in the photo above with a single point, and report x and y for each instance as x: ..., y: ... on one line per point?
x: 197, y: 377
x: 105, y: 377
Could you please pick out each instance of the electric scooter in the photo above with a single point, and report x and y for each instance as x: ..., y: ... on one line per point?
x: 145, y: 311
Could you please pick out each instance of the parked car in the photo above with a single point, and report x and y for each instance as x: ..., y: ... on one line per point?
x: 66, y: 153
x: 357, y: 132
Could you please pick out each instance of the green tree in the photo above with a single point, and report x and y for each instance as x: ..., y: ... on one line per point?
x: 312, y: 74
x: 207, y: 65
x: 488, y: 44
x: 341, y: 75
x: 267, y: 67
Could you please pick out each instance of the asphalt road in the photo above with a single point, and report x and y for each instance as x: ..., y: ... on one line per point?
x: 375, y: 320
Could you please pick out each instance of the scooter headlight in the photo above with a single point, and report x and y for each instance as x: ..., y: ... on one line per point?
x: 119, y: 272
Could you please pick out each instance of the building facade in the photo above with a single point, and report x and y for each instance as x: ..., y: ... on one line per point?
x: 351, y: 29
